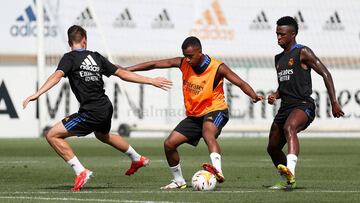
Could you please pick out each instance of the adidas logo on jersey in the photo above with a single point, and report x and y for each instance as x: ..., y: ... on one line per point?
x: 124, y: 20
x: 162, y: 21
x: 85, y: 19
x: 213, y: 24
x: 25, y: 24
x: 300, y: 20
x: 89, y: 64
x: 260, y: 22
x: 334, y: 23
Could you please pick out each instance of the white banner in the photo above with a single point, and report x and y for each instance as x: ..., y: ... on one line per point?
x: 226, y: 27
x: 147, y: 107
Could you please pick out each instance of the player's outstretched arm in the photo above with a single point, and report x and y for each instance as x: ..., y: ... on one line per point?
x: 310, y: 60
x: 157, y: 64
x: 227, y: 73
x: 159, y: 82
x: 50, y: 82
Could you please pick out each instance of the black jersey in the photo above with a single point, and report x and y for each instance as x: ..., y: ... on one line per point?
x: 85, y: 69
x: 294, y: 81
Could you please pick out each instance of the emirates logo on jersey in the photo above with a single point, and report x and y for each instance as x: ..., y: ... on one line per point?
x: 192, y: 87
x: 291, y: 62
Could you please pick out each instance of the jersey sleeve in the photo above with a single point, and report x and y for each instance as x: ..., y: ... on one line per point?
x: 65, y: 65
x: 108, y: 67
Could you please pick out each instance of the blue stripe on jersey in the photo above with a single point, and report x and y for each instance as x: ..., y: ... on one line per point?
x: 80, y: 49
x: 297, y: 46
x: 206, y: 61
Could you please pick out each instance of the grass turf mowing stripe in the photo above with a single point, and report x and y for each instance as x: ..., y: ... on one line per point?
x: 76, y: 199
x: 179, y: 191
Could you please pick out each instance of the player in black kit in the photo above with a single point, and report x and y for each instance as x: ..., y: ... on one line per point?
x: 85, y: 69
x: 297, y: 109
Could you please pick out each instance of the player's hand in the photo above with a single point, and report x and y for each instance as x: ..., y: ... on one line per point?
x: 271, y: 98
x: 336, y: 110
x: 31, y: 98
x: 258, y: 98
x: 161, y: 83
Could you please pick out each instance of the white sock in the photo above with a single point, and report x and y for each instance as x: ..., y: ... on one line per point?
x: 176, y: 171
x: 76, y: 165
x: 291, y: 162
x: 216, y: 161
x: 133, y: 155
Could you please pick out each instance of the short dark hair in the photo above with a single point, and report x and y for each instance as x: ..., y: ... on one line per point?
x: 75, y: 34
x: 191, y: 42
x: 290, y: 21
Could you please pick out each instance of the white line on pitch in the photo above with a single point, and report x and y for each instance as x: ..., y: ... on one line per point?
x: 177, y: 191
x: 21, y: 162
x: 78, y: 199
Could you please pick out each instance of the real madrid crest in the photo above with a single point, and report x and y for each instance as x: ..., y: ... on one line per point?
x: 291, y: 62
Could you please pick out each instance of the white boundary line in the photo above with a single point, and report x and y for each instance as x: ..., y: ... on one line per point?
x: 37, y: 198
x: 76, y: 199
x: 178, y: 191
x: 21, y: 162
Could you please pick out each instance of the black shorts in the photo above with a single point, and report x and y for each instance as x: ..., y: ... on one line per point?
x: 85, y: 122
x: 284, y: 112
x: 191, y: 127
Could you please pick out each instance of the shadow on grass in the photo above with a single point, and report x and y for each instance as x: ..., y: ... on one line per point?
x: 286, y: 189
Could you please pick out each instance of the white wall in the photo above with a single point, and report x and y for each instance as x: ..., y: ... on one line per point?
x: 158, y: 27
x: 164, y: 110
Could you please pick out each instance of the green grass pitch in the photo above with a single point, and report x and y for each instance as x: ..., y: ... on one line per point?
x: 328, y: 170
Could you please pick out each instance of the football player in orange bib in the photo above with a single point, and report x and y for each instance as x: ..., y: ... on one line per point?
x: 206, y: 109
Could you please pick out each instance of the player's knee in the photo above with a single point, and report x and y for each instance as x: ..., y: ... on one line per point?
x: 273, y: 148
x: 270, y: 149
x: 50, y: 135
x: 102, y: 137
x: 168, y: 145
x: 289, y: 129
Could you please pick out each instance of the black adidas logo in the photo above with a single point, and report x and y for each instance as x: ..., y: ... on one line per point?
x: 162, y: 21
x: 124, y: 20
x: 334, y: 23
x: 260, y: 22
x: 300, y: 20
x: 85, y: 19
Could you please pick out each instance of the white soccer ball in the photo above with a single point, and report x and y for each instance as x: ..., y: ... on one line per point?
x: 203, y: 181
